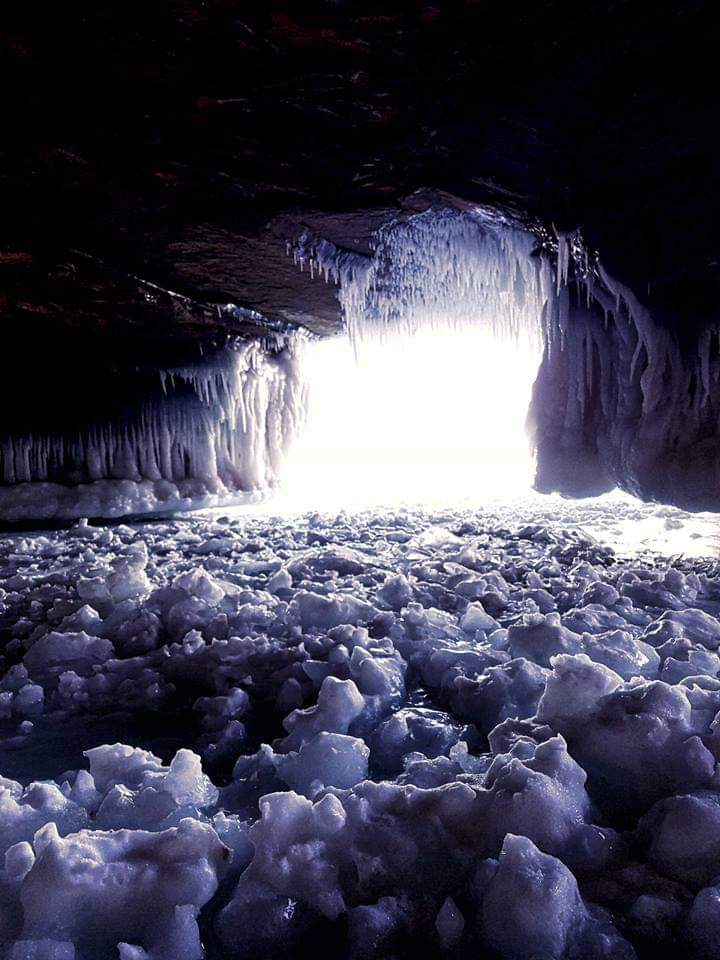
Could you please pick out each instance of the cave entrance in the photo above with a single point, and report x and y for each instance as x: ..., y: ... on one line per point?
x: 437, y: 416
x: 425, y: 400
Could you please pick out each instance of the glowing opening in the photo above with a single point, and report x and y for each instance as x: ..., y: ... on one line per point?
x: 434, y: 417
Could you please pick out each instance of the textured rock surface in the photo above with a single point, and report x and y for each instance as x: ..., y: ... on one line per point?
x: 183, y: 144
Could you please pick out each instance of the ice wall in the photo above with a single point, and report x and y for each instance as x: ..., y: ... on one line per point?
x: 619, y: 400
x: 206, y: 432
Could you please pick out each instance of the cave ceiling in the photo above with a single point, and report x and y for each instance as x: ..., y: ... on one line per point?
x: 159, y: 157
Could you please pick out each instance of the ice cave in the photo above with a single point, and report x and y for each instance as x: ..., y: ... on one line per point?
x: 360, y: 481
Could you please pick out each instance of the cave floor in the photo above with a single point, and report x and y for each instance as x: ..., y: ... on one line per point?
x: 390, y: 717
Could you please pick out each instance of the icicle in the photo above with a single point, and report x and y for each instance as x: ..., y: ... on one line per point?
x: 440, y: 268
x: 563, y: 257
x: 177, y: 445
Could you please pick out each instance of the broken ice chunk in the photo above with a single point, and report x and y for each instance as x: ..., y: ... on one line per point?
x: 328, y: 760
x: 100, y: 889
x: 339, y: 703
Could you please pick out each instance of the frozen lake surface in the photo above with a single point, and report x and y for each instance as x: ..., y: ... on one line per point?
x: 467, y: 731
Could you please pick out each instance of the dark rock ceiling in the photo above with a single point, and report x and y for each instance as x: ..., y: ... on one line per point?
x: 181, y: 144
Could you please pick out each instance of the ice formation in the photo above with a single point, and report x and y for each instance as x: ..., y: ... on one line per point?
x: 619, y: 400
x: 465, y: 733
x: 216, y: 429
x: 441, y: 267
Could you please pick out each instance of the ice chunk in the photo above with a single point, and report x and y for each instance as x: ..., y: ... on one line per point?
x: 618, y: 650
x: 198, y: 583
x: 282, y: 580
x: 44, y: 949
x: 532, y: 905
x: 703, y: 922
x: 396, y: 592
x: 449, y: 923
x: 161, y: 796
x: 696, y: 625
x: 55, y: 652
x: 373, y: 928
x: 328, y: 760
x: 574, y: 689
x: 120, y: 763
x: 511, y: 689
x: 339, y: 704
x: 128, y: 578
x: 23, y: 811
x: 18, y: 860
x: 413, y: 730
x: 94, y: 889
x: 310, y: 610
x: 260, y: 922
x: 475, y: 618
x: 637, y: 741
x: 542, y: 637
x: 292, y: 844
x: 682, y: 835
x: 537, y: 790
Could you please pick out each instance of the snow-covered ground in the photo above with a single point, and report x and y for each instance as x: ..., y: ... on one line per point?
x: 466, y: 732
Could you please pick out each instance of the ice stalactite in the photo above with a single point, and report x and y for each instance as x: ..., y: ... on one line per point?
x: 441, y: 267
x: 209, y: 431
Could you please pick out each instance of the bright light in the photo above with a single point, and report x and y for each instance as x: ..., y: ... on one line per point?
x: 435, y: 417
